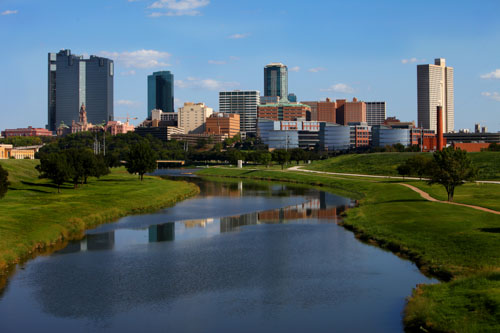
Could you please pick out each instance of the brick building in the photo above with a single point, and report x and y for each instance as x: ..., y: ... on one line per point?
x: 349, y: 112
x: 223, y: 123
x: 284, y: 111
x: 30, y: 131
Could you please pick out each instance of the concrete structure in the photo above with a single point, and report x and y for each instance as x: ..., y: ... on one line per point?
x: 74, y: 81
x: 350, y: 112
x: 161, y: 92
x: 276, y: 80
x: 223, y: 123
x: 284, y: 111
x: 375, y: 113
x: 435, y: 88
x: 334, y: 137
x: 192, y: 117
x: 194, y: 139
x: 472, y: 137
x: 171, y: 118
x: 245, y: 104
x: 30, y: 131
x: 163, y: 133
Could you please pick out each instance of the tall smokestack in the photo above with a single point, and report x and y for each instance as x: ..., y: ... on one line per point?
x: 439, y: 133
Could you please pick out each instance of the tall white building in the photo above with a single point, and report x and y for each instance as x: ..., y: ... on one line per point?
x: 192, y: 117
x: 435, y: 88
x: 375, y: 113
x: 245, y: 104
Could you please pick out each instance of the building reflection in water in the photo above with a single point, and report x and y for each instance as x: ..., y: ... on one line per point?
x: 91, y: 242
x: 162, y: 232
x: 326, y: 207
x: 201, y: 223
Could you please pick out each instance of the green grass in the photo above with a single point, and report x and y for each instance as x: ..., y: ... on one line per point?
x: 453, y: 243
x: 385, y: 164
x: 34, y: 216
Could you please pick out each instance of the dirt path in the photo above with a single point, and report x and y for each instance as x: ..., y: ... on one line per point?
x: 426, y: 196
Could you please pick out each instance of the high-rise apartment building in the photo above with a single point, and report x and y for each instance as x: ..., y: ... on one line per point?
x: 245, y: 104
x: 223, y: 124
x: 192, y: 117
x: 160, y: 92
x: 276, y: 80
x: 435, y: 88
x: 375, y: 113
x: 350, y: 112
x: 74, y: 81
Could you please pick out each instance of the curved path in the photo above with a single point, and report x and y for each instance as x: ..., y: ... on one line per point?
x: 424, y: 194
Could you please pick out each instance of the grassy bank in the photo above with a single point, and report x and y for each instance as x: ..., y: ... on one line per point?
x: 385, y: 164
x: 34, y: 216
x: 459, y: 245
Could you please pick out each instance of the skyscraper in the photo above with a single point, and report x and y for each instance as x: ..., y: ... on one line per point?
x: 435, y: 88
x: 245, y: 104
x: 276, y: 80
x: 74, y: 81
x: 375, y: 113
x: 160, y: 92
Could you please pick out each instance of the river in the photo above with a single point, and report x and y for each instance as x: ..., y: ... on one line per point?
x: 239, y: 257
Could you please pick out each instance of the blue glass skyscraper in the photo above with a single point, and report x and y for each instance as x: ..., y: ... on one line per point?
x: 276, y: 80
x: 161, y: 92
x: 74, y: 81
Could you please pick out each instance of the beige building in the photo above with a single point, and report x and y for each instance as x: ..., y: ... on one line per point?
x: 7, y: 151
x: 192, y: 117
x: 435, y: 88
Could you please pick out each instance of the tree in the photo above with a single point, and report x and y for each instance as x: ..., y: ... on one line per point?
x: 281, y: 156
x: 404, y: 169
x: 298, y: 155
x: 264, y: 158
x: 141, y: 159
x: 4, y: 182
x: 76, y: 158
x: 55, y: 166
x: 451, y: 168
x: 420, y: 164
x: 234, y: 156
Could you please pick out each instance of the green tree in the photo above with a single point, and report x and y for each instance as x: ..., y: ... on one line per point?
x: 281, y: 156
x: 234, y: 155
x: 76, y: 158
x: 55, y: 166
x: 141, y: 159
x: 404, y: 169
x: 420, y: 164
x: 451, y: 168
x: 4, y: 182
x: 264, y: 158
x: 297, y: 155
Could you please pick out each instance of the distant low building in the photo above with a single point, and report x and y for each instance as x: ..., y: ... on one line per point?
x: 29, y: 131
x: 194, y: 139
x: 117, y: 127
x: 472, y: 137
x: 334, y: 137
x: 386, y: 136
x: 8, y: 151
x: 223, y: 124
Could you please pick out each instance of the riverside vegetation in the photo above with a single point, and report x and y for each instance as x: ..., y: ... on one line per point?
x: 34, y: 216
x: 458, y: 245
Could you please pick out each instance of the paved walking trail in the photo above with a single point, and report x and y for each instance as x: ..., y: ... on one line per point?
x: 424, y: 194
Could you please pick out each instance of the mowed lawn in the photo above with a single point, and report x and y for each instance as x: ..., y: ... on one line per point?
x: 33, y: 215
x: 385, y: 164
x: 459, y: 245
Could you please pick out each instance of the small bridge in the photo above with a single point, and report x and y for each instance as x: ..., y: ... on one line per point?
x: 158, y: 162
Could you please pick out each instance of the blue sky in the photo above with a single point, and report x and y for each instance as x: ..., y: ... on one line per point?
x: 337, y: 49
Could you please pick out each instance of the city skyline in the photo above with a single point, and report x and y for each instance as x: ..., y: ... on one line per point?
x: 378, y: 62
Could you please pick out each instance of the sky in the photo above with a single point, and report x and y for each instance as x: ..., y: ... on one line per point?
x: 338, y: 49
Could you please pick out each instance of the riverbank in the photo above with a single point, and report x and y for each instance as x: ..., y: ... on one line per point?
x: 457, y: 244
x: 35, y: 217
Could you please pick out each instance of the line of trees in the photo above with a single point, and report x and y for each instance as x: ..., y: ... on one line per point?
x: 449, y: 167
x: 74, y: 165
x: 4, y: 181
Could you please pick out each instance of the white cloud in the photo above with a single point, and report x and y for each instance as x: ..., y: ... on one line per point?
x: 492, y: 95
x: 294, y: 69
x: 128, y: 73
x: 493, y: 75
x: 340, y: 88
x: 217, y: 62
x: 178, y: 7
x: 209, y: 84
x: 238, y: 36
x: 317, y: 69
x: 126, y: 102
x: 411, y: 61
x: 139, y: 58
x: 10, y: 12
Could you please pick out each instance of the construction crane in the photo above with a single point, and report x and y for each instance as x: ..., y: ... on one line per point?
x: 128, y: 118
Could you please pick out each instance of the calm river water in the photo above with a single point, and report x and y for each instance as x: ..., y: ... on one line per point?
x: 239, y: 257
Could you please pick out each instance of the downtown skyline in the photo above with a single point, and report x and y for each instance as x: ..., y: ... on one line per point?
x: 213, y: 46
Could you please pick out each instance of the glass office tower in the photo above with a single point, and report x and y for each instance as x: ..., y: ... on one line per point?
x: 74, y: 81
x: 276, y: 80
x: 160, y: 92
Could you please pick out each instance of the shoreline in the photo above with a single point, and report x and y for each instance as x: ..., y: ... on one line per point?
x: 382, y: 227
x: 147, y: 197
